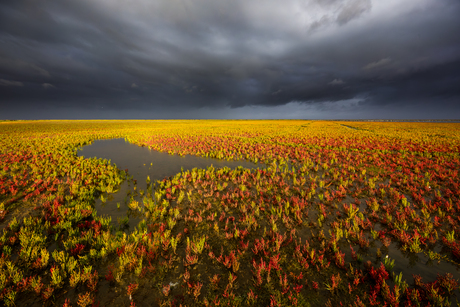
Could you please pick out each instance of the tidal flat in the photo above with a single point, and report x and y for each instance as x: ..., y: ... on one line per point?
x: 236, y: 213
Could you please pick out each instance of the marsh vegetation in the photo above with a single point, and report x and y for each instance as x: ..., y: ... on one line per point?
x: 319, y: 214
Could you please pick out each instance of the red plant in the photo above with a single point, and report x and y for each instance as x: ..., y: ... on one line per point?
x: 284, y: 284
x: 109, y: 275
x: 274, y: 262
x: 47, y: 292
x: 120, y: 251
x: 131, y: 289
x: 447, y: 282
x: 315, y: 285
x: 166, y: 290
x: 77, y: 249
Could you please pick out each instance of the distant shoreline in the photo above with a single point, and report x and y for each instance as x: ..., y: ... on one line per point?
x: 398, y: 120
x: 237, y: 119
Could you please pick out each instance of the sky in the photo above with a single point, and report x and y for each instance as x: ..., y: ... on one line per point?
x: 244, y: 59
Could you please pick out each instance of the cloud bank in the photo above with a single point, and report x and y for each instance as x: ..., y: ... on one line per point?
x: 218, y: 59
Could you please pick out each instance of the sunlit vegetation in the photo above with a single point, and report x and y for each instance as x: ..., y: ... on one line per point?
x: 317, y: 223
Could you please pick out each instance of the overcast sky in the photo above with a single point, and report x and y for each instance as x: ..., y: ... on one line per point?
x: 312, y: 59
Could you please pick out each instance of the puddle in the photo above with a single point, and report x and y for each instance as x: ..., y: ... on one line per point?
x: 142, y: 162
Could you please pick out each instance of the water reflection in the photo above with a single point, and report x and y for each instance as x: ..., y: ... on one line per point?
x: 141, y: 163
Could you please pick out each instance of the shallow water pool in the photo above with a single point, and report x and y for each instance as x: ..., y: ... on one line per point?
x: 142, y: 162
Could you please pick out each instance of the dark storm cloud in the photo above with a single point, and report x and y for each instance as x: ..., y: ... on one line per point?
x: 352, y: 10
x: 144, y: 58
